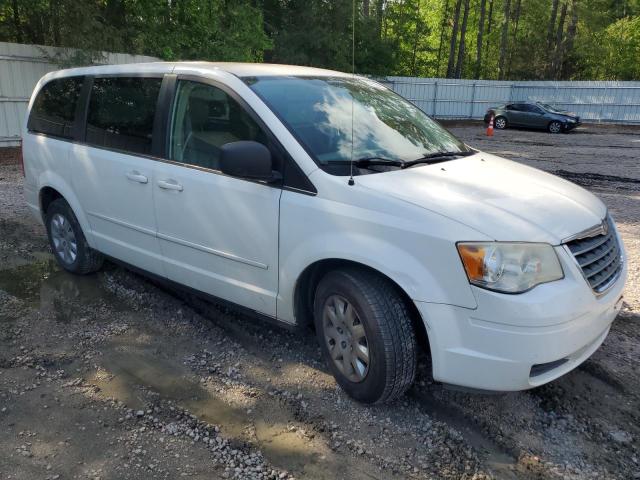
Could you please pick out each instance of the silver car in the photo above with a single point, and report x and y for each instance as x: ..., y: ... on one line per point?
x: 532, y: 115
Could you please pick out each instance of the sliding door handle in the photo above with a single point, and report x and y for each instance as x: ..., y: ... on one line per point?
x: 136, y: 176
x: 170, y: 185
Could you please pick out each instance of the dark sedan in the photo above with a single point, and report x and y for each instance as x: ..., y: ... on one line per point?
x: 532, y: 115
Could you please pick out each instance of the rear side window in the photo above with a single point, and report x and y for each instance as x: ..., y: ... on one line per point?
x: 54, y: 108
x: 121, y: 113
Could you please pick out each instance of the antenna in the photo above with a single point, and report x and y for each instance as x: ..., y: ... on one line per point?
x: 353, y: 74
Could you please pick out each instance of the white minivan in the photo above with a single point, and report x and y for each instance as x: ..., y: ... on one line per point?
x: 315, y: 197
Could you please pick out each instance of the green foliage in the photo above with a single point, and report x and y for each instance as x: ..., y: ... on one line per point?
x: 615, y: 52
x: 197, y: 30
x: 585, y: 39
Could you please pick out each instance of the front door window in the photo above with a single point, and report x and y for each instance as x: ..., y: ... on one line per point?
x: 204, y: 119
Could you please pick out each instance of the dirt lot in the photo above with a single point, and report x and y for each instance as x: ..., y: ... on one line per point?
x: 109, y: 376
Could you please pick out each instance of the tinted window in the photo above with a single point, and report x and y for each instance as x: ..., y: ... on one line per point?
x: 121, y: 113
x: 205, y: 118
x: 526, y: 107
x: 54, y: 108
x: 337, y: 116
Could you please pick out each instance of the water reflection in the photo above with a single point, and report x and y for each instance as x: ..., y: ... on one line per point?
x: 44, y: 286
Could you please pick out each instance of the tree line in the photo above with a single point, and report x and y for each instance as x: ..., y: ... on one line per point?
x: 485, y: 39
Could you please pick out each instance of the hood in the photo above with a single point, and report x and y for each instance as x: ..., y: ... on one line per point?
x: 564, y: 113
x: 568, y: 115
x: 502, y: 199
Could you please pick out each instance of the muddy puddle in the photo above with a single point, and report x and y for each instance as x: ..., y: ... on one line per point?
x: 43, y: 285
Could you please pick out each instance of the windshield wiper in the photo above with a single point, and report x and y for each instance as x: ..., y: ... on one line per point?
x: 366, y: 162
x: 437, y: 157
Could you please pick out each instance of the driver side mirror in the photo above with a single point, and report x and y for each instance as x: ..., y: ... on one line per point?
x: 248, y: 159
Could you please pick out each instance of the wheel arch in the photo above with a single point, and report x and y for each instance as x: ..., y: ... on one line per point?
x: 308, y: 280
x: 46, y: 196
x: 53, y: 187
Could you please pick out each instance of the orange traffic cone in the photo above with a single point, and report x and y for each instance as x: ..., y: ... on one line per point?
x: 490, y: 127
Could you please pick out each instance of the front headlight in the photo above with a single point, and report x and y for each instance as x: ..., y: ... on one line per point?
x: 509, y: 267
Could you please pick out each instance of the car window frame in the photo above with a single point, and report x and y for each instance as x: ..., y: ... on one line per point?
x: 301, y: 185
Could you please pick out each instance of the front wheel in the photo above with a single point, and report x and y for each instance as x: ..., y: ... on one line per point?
x: 555, y: 127
x: 366, y: 335
x: 501, y: 123
x: 68, y: 243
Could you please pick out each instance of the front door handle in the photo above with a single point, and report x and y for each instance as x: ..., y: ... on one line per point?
x: 136, y: 176
x: 170, y: 185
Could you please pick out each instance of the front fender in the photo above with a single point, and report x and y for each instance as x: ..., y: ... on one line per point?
x: 418, y: 255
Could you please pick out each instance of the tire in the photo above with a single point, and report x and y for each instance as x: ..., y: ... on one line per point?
x: 554, y: 127
x: 373, y: 306
x: 501, y: 123
x: 68, y: 243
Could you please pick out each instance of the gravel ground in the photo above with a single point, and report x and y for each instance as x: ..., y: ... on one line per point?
x: 111, y: 376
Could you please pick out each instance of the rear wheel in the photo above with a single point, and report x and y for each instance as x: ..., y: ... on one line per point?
x: 365, y: 332
x: 501, y: 123
x: 555, y: 127
x: 68, y: 243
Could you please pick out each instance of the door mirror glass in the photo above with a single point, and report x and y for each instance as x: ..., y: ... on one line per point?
x: 247, y: 159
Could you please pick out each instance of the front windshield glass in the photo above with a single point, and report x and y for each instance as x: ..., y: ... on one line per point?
x: 549, y: 108
x: 318, y: 111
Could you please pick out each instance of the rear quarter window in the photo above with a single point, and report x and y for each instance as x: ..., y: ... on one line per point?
x: 121, y: 113
x: 53, y: 110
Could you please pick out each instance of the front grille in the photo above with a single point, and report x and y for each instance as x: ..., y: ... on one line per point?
x: 599, y: 256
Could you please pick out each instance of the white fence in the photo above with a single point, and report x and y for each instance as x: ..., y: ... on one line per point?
x: 606, y: 101
x: 21, y: 66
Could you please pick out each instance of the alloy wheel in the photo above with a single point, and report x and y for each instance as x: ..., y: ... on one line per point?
x: 501, y: 123
x: 555, y: 127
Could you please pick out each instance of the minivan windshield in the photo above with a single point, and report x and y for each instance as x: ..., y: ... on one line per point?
x: 322, y: 113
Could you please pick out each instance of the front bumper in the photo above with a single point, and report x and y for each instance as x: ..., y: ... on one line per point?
x: 516, y: 342
x: 571, y: 125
